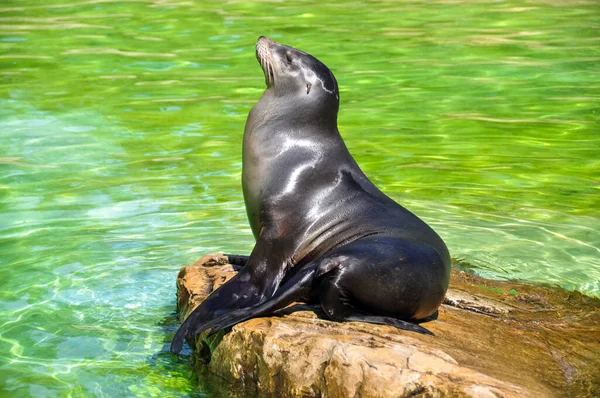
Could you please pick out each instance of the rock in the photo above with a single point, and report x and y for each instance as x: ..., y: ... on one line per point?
x: 493, y: 339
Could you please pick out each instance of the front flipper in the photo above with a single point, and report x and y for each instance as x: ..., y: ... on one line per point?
x: 254, y: 284
x: 300, y: 285
x: 236, y: 293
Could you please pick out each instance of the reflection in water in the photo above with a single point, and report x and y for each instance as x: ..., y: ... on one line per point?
x: 121, y: 126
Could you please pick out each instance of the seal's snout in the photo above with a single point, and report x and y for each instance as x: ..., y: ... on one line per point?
x: 263, y: 46
x: 263, y: 54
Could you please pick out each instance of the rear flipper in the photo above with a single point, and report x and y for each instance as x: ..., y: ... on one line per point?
x: 386, y: 320
x: 431, y: 317
x: 337, y: 306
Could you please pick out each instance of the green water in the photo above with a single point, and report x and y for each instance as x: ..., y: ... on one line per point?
x: 120, y: 156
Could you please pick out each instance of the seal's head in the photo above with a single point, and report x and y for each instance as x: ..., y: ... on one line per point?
x: 296, y: 78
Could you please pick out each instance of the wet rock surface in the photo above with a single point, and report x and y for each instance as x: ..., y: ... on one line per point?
x: 493, y: 339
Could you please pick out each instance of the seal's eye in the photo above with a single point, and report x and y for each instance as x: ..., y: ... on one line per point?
x: 288, y: 57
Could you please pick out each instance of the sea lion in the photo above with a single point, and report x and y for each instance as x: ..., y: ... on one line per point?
x: 323, y: 230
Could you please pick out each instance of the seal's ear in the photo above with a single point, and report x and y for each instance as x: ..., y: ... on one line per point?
x: 308, y: 86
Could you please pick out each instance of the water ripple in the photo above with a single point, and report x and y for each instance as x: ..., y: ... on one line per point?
x: 122, y: 123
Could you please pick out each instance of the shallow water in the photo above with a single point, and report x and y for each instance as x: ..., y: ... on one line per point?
x: 121, y: 125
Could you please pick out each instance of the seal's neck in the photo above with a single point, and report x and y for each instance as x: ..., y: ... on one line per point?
x: 295, y: 112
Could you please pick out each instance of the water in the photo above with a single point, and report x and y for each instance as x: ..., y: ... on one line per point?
x: 121, y: 125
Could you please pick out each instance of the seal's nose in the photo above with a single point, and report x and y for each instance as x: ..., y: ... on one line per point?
x: 261, y: 39
x: 265, y: 41
x: 263, y: 45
